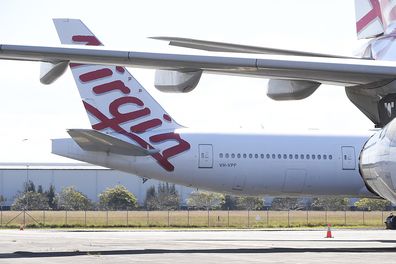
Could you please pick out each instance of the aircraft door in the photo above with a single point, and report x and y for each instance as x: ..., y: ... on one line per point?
x: 348, y: 158
x: 205, y: 156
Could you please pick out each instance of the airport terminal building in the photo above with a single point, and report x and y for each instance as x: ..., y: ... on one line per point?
x: 88, y: 179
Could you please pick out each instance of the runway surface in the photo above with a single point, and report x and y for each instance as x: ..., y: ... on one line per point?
x: 126, y: 246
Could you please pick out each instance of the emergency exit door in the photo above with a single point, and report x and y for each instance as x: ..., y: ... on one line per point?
x: 205, y: 156
x: 348, y: 158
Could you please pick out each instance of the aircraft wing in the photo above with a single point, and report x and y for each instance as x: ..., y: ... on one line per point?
x: 238, y: 48
x: 337, y: 71
x: 92, y: 140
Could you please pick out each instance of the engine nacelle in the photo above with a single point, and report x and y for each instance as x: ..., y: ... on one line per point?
x: 290, y: 89
x: 176, y: 82
x: 378, y: 162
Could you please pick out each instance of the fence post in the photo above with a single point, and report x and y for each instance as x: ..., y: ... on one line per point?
x: 107, y: 217
x: 66, y: 217
x: 326, y: 217
x: 267, y: 216
x: 127, y: 216
x: 85, y: 217
x: 345, y: 217
x: 43, y: 217
x: 228, y: 217
x: 188, y: 216
x: 208, y: 218
x: 148, y: 218
x: 363, y: 219
x: 307, y: 218
x: 1, y: 215
x: 168, y: 219
x: 248, y: 218
x: 288, y: 218
x: 382, y: 217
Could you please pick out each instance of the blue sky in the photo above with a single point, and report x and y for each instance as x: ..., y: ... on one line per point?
x: 31, y: 114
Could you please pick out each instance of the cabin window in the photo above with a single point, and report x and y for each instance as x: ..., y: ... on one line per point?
x: 330, y: 157
x: 244, y: 156
x: 239, y: 155
x: 233, y: 155
x: 221, y: 155
x: 296, y: 156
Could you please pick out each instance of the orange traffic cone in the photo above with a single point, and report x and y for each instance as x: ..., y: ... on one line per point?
x: 329, y: 235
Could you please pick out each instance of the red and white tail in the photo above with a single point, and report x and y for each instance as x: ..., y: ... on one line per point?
x: 117, y: 104
x: 373, y: 17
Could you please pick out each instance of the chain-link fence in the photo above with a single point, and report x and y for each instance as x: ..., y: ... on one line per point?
x: 189, y: 218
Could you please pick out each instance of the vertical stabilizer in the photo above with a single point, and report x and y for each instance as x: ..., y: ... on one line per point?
x: 117, y: 104
x: 369, y: 20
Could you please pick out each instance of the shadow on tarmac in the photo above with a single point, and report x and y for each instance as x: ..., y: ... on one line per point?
x: 27, y: 254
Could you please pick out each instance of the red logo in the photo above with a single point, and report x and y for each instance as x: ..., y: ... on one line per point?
x: 133, y: 118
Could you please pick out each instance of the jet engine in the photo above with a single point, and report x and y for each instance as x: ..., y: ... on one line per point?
x: 176, y: 81
x: 378, y: 162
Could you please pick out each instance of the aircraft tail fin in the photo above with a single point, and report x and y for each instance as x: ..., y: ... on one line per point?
x: 117, y: 104
x: 369, y: 20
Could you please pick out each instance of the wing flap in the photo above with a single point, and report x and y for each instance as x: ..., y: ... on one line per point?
x: 92, y: 140
x: 238, y: 48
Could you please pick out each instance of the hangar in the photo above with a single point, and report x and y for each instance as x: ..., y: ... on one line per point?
x: 88, y: 179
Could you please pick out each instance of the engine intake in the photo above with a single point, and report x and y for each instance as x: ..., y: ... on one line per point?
x: 378, y: 162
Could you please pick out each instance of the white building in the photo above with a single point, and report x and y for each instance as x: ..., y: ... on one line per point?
x: 88, y: 179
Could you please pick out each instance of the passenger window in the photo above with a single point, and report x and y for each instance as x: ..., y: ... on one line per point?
x: 284, y: 156
x: 279, y: 156
x: 250, y: 156
x: 290, y: 156
x: 330, y: 157
x: 273, y: 156
x: 324, y: 156
x: 313, y: 157
x: 233, y: 155
x: 262, y: 156
x: 221, y: 155
x: 239, y: 156
x: 227, y: 155
x: 244, y: 156
x: 302, y: 156
x: 268, y: 156
x: 307, y: 156
x: 256, y: 156
x: 296, y: 156
x: 319, y: 157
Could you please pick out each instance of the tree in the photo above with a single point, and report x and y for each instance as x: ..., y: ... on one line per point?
x: 205, y: 200
x: 30, y: 201
x: 167, y: 196
x: 51, y: 195
x: 117, y: 198
x: 71, y: 199
x: 372, y: 204
x: 330, y: 203
x: 250, y: 203
x: 151, y: 201
x: 285, y: 204
x: 230, y: 202
x: 28, y: 186
x: 2, y: 199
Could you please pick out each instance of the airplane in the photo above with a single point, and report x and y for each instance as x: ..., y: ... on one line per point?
x: 131, y: 132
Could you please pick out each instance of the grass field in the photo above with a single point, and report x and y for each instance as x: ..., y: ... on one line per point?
x: 223, y: 219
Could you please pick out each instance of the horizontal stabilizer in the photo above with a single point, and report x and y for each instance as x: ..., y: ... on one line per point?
x: 92, y: 140
x: 237, y: 48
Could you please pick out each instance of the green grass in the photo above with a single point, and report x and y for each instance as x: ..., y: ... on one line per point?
x: 191, y: 219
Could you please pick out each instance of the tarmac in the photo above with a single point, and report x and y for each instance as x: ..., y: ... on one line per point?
x: 197, y: 246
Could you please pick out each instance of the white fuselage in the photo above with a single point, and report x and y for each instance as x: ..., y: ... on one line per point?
x: 308, y: 164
